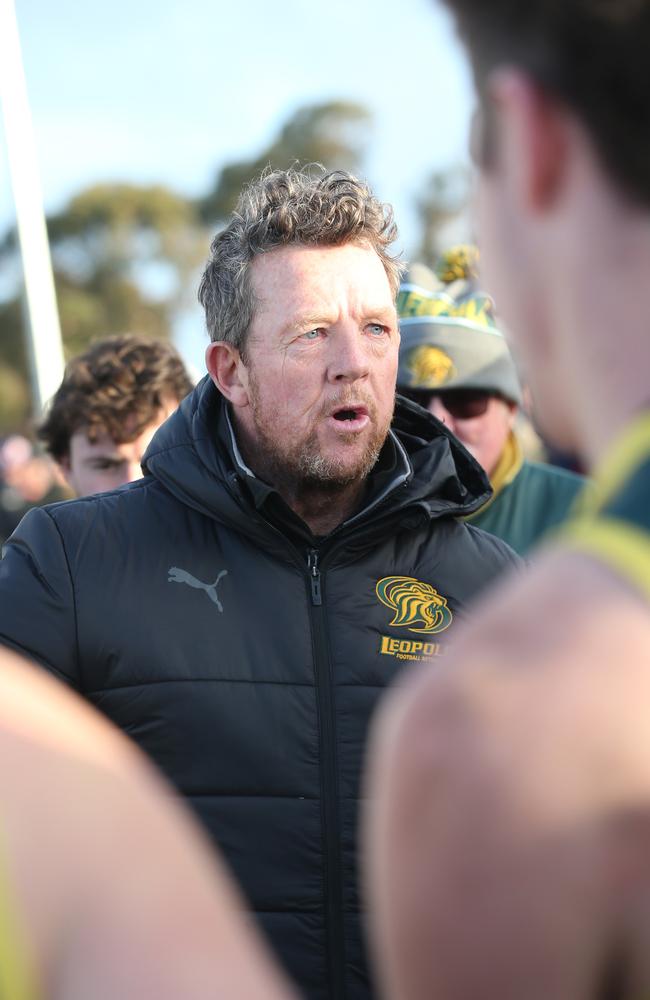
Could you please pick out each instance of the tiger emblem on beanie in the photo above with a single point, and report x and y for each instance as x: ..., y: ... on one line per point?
x: 429, y: 367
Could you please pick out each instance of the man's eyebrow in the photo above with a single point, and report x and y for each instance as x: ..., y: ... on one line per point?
x: 307, y: 321
x: 107, y: 459
x: 381, y: 312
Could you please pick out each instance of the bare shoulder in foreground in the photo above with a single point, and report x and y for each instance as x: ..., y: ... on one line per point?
x: 107, y: 887
x: 510, y: 821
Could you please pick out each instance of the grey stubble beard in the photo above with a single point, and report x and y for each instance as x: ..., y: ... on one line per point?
x: 306, y: 470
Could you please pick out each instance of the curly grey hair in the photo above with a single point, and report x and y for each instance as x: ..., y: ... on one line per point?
x: 304, y: 207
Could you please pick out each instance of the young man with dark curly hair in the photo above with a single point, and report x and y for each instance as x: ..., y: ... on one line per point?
x: 509, y: 838
x: 296, y: 540
x: 112, y: 400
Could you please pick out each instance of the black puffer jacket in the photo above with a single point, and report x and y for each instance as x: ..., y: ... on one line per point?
x: 245, y: 656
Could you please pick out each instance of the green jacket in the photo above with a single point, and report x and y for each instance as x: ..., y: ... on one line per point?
x: 533, y: 499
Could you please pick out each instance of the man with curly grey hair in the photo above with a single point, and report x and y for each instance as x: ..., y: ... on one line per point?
x: 296, y: 541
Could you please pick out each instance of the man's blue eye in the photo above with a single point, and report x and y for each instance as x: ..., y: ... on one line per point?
x: 376, y: 328
x: 311, y: 334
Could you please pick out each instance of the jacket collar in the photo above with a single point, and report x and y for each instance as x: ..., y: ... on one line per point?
x: 195, y: 455
x: 392, y: 469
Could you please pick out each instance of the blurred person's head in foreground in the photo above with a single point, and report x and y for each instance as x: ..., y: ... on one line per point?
x: 112, y: 400
x: 533, y: 730
x: 93, y: 840
x: 454, y: 359
x: 562, y: 144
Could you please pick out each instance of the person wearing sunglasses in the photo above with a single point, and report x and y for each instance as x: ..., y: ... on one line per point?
x: 455, y: 362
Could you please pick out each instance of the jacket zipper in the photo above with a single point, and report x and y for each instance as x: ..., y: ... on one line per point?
x: 314, y: 577
x: 329, y: 787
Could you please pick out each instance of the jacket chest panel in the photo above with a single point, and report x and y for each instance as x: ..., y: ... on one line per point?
x: 209, y: 610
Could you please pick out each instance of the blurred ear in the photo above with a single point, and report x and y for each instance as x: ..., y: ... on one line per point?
x: 533, y: 139
x: 64, y: 468
x: 228, y: 372
x: 66, y: 473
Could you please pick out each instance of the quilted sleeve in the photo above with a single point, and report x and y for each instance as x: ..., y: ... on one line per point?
x: 37, y: 601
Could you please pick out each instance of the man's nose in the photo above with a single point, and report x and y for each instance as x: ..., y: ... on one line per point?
x: 349, y: 356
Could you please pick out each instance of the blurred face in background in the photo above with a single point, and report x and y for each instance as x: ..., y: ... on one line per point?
x: 104, y: 464
x: 480, y: 421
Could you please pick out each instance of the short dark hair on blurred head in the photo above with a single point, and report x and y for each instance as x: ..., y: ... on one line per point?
x: 118, y: 387
x: 590, y: 54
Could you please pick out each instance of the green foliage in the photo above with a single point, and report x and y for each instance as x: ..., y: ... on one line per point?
x: 14, y: 400
x: 14, y: 375
x: 111, y: 306
x: 110, y: 208
x: 335, y: 134
x: 124, y: 259
x: 444, y: 197
x: 107, y: 232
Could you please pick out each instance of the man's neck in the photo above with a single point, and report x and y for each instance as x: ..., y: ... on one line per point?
x: 321, y: 510
x: 322, y: 506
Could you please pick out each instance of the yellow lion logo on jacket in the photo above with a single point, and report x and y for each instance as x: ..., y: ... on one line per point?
x: 414, y: 603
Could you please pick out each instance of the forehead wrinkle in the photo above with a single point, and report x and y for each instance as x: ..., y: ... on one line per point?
x: 363, y: 302
x: 307, y: 321
x: 327, y: 317
x: 317, y: 297
x: 380, y: 312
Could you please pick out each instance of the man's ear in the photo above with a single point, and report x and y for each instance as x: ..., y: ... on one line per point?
x: 228, y: 372
x: 65, y: 473
x: 533, y: 138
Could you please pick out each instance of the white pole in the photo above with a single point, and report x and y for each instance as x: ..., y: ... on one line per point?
x: 43, y: 330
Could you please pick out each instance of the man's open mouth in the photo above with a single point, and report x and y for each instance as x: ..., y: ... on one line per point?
x: 350, y: 413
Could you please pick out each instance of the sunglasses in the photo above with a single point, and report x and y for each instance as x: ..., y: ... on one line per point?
x: 462, y: 404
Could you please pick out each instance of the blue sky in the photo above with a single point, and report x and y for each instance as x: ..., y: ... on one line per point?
x: 168, y: 91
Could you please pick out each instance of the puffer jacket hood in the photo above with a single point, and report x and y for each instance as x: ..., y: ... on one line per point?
x: 187, y: 455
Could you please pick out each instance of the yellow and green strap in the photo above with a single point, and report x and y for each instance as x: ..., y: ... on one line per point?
x: 620, y: 543
x: 16, y: 978
x: 618, y: 465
